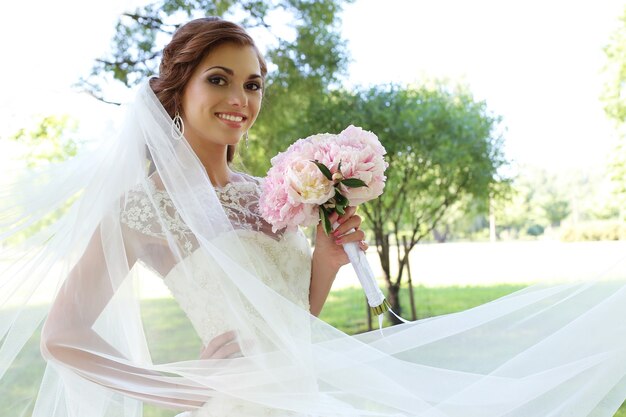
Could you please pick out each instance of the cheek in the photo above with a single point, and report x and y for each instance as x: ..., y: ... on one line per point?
x: 199, y: 96
x: 255, y: 105
x: 190, y: 99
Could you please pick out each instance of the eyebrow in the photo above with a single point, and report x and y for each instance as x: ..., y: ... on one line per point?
x: 231, y: 72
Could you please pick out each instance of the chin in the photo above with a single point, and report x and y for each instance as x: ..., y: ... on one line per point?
x: 228, y: 139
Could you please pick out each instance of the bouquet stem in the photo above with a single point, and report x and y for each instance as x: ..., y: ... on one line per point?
x: 375, y: 297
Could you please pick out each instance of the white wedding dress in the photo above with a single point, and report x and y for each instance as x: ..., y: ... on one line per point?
x: 284, y: 257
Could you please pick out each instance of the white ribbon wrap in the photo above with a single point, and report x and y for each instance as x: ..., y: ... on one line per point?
x: 375, y: 297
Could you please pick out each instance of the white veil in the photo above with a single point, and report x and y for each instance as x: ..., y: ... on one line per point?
x: 544, y: 351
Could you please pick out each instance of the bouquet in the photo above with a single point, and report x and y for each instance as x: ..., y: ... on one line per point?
x: 322, y: 174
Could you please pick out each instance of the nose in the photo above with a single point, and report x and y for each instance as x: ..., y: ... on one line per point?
x: 238, y: 98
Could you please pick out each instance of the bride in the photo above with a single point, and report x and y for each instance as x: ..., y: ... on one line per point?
x: 161, y: 200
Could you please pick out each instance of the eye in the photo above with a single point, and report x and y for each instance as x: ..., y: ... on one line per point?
x: 254, y: 86
x: 217, y: 80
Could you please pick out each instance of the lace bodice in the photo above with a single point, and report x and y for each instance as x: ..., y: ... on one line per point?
x: 284, y: 265
x: 240, y: 201
x: 282, y: 260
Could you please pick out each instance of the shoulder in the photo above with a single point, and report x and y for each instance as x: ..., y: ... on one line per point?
x: 147, y: 208
x: 245, y: 177
x: 138, y: 209
x: 243, y: 185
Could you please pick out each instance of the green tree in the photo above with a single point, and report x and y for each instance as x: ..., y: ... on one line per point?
x: 51, y: 140
x: 538, y: 199
x: 514, y: 212
x: 614, y: 98
x: 617, y: 173
x: 442, y: 146
x: 468, y: 219
x: 614, y: 94
x: 555, y: 209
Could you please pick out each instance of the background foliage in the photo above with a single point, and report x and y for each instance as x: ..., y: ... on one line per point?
x: 614, y: 97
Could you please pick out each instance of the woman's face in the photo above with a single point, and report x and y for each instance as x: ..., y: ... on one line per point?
x: 223, y: 96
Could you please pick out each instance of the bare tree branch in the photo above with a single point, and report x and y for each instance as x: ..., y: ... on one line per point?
x: 151, y: 22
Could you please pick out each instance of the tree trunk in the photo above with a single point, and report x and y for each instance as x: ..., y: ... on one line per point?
x: 411, y: 295
x: 492, y: 222
x: 392, y: 289
x: 441, y: 236
x: 394, y: 300
x: 369, y: 314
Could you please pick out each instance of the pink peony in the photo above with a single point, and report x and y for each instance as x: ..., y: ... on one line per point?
x: 306, y: 184
x: 361, y: 156
x: 295, y: 187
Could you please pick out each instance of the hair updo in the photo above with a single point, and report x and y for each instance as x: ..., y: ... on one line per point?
x: 188, y: 47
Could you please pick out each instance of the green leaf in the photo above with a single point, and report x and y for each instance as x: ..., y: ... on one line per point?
x: 341, y: 202
x: 340, y: 199
x: 325, y: 222
x: 324, y: 170
x: 353, y: 183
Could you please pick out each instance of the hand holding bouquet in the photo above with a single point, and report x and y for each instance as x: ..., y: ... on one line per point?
x: 323, y: 174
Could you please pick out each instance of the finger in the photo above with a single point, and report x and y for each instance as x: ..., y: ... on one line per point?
x: 348, y: 212
x: 354, y: 222
x: 217, y: 342
x: 355, y: 236
x: 222, y: 351
x: 224, y: 337
x: 207, y: 352
x: 226, y: 350
x: 363, y: 245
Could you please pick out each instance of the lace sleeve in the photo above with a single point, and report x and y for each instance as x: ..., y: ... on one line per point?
x: 149, y: 210
x: 241, y: 202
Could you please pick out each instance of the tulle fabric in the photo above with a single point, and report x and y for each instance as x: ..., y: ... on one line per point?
x: 548, y: 350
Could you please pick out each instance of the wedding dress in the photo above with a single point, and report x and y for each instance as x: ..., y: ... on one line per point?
x: 143, y: 198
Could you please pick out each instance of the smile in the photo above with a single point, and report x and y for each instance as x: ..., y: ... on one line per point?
x: 237, y: 118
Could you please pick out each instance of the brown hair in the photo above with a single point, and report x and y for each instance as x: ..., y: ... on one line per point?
x: 188, y: 47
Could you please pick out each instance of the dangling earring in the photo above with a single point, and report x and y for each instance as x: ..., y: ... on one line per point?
x: 178, y: 127
x: 245, y: 136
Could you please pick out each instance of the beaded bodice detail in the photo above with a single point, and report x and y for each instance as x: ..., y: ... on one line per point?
x: 281, y: 260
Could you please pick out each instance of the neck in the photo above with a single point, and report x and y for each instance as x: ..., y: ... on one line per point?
x: 213, y: 158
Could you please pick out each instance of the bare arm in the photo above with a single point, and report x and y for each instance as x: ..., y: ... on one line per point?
x: 329, y: 256
x: 322, y: 277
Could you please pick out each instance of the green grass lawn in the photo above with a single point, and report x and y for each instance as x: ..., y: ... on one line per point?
x: 345, y: 309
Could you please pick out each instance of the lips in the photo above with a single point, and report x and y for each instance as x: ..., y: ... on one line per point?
x: 232, y: 119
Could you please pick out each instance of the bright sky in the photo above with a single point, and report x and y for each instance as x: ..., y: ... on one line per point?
x: 536, y: 63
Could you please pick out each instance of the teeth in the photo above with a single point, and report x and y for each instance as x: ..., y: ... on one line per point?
x: 229, y: 117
